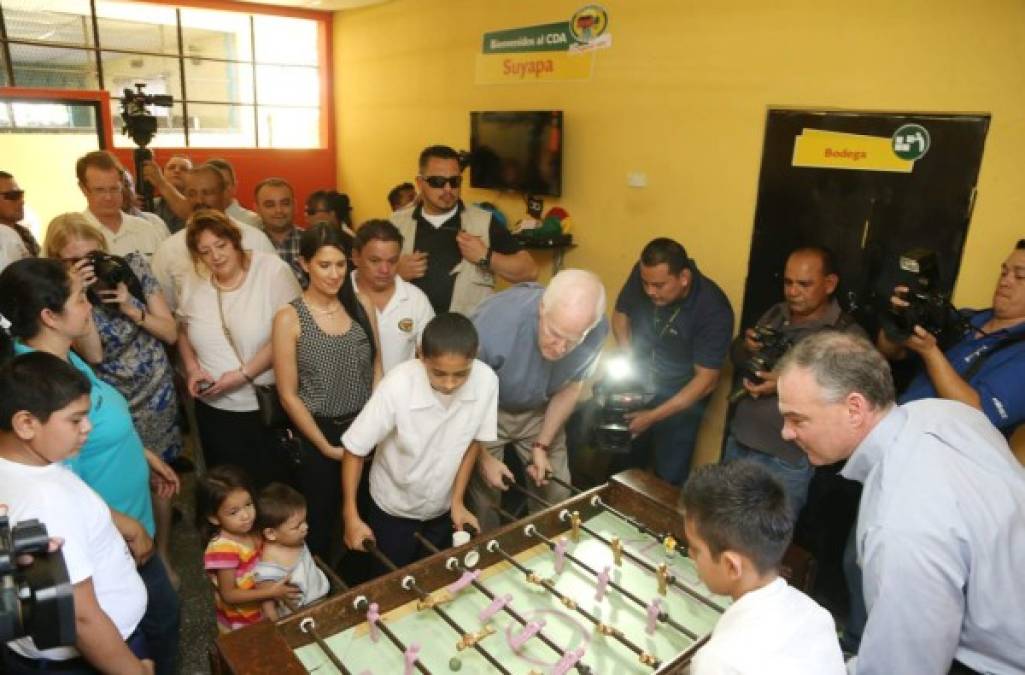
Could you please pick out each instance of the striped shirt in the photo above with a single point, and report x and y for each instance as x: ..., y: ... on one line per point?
x: 223, y: 553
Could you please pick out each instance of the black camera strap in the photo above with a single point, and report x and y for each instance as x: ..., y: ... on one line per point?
x: 973, y: 369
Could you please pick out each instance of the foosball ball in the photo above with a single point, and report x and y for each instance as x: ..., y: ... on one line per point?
x: 599, y: 583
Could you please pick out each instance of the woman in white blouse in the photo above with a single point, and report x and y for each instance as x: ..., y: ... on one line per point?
x: 225, y: 344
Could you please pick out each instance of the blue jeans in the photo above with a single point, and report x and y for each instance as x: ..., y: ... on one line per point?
x: 795, y: 477
x: 161, y: 622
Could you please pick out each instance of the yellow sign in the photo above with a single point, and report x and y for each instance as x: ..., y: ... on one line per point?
x: 816, y: 148
x: 523, y: 67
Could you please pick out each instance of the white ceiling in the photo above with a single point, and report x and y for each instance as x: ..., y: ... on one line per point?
x: 325, y: 5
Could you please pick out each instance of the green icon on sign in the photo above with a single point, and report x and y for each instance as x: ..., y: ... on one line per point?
x: 910, y: 142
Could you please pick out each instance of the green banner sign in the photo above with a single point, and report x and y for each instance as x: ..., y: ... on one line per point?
x: 550, y: 37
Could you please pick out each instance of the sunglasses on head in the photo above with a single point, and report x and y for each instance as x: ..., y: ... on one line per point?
x: 13, y: 195
x: 438, y: 182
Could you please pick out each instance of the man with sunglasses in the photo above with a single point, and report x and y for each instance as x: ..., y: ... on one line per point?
x: 542, y: 343
x: 16, y: 241
x: 452, y: 251
x: 676, y: 323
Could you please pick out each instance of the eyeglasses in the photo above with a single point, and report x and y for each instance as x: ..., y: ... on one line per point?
x: 438, y: 182
x: 310, y: 211
x: 13, y: 195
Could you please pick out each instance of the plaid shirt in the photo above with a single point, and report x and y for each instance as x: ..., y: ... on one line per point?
x: 288, y: 250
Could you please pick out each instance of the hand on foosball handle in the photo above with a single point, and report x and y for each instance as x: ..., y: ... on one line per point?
x: 494, y: 472
x: 462, y: 519
x: 357, y: 532
x: 539, y: 467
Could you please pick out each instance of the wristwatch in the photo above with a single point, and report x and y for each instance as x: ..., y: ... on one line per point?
x: 484, y: 264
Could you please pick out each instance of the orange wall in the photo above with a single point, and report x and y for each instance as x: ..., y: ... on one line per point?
x: 306, y: 170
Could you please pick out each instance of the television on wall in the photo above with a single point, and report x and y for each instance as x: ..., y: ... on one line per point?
x: 517, y: 151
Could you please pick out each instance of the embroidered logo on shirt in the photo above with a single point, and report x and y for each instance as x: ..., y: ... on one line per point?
x: 405, y: 325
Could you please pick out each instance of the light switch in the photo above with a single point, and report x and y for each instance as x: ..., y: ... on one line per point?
x: 637, y: 179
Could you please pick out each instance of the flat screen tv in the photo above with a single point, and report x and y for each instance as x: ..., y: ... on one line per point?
x: 517, y: 151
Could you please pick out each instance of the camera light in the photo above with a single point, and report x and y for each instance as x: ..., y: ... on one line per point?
x: 619, y: 368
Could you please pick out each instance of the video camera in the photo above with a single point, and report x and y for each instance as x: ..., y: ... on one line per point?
x: 35, y: 600
x: 927, y: 306
x: 775, y: 344
x: 620, y: 391
x: 141, y: 126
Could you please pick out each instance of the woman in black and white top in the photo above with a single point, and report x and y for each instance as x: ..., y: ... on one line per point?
x: 326, y: 361
x: 224, y: 341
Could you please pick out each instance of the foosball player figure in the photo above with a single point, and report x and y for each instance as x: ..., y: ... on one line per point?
x: 738, y: 526
x: 427, y: 419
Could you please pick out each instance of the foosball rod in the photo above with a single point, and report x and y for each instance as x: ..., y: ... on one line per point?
x: 531, y: 531
x: 581, y: 668
x: 371, y: 548
x: 309, y: 626
x: 598, y: 502
x: 565, y: 515
x: 648, y: 659
x: 362, y: 602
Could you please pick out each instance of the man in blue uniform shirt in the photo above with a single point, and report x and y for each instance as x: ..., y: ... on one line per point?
x: 985, y: 369
x: 677, y: 324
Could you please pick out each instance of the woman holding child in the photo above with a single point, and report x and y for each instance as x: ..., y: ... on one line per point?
x: 326, y: 362
x: 224, y: 342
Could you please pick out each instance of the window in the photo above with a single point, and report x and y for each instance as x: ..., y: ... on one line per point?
x: 231, y: 78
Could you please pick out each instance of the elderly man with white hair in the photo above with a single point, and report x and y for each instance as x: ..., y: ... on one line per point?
x: 542, y: 343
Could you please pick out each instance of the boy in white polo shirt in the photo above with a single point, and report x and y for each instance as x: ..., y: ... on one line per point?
x: 738, y: 526
x: 44, y: 419
x: 427, y: 418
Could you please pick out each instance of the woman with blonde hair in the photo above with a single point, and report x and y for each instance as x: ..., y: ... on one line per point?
x: 125, y: 344
x: 225, y: 342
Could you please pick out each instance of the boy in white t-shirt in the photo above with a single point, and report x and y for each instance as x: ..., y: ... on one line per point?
x: 44, y: 419
x: 738, y: 526
x: 427, y: 418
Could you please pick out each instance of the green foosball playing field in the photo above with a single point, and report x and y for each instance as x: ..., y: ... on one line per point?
x: 679, y: 619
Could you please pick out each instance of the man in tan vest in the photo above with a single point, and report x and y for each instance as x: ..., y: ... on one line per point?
x: 452, y: 251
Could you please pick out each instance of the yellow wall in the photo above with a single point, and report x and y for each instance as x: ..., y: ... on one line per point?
x: 681, y: 96
x: 50, y: 186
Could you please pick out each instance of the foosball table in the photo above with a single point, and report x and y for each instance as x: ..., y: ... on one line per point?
x: 599, y: 583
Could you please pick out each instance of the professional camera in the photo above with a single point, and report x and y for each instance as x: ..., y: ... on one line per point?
x: 35, y: 600
x: 927, y: 306
x: 622, y: 390
x: 775, y: 344
x: 110, y: 271
x: 141, y: 125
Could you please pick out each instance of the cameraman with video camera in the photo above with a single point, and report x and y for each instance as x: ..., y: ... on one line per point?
x: 676, y: 323
x: 985, y: 367
x: 809, y: 281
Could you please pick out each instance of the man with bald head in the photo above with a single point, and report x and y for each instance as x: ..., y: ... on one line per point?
x: 542, y: 343
x: 676, y: 324
x: 941, y: 526
x: 808, y: 306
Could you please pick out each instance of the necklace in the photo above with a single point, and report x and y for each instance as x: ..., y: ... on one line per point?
x: 323, y: 311
x: 229, y: 286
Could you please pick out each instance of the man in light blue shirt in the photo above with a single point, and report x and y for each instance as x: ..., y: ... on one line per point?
x: 941, y: 532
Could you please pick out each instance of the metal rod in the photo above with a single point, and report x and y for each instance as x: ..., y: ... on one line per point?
x: 662, y: 616
x: 459, y: 569
x: 597, y: 501
x: 640, y: 561
x: 309, y: 626
x: 331, y: 575
x: 394, y: 639
x: 371, y: 548
x: 648, y: 659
